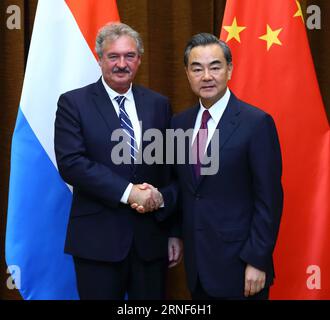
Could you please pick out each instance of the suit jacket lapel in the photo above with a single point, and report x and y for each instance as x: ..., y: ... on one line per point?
x: 189, y: 124
x: 141, y: 108
x: 229, y: 120
x: 105, y: 106
x: 227, y: 125
x: 143, y: 112
x: 106, y: 109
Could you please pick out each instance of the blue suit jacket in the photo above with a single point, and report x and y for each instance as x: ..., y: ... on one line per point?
x: 232, y: 218
x: 100, y: 227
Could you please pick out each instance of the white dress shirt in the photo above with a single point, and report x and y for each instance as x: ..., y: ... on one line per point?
x: 216, y: 111
x: 131, y: 111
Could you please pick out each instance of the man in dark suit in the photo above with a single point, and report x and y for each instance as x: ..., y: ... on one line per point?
x: 230, y: 218
x: 116, y: 250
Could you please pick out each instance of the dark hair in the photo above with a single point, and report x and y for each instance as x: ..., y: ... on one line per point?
x: 204, y: 39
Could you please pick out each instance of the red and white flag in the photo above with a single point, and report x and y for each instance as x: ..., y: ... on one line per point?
x: 273, y: 69
x: 61, y: 58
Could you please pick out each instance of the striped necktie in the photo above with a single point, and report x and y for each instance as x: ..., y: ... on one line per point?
x: 127, y: 126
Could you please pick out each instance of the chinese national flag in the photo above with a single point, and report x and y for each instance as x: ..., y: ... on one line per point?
x: 273, y: 69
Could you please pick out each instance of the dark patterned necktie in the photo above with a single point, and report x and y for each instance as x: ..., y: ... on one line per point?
x: 200, y: 141
x: 127, y: 126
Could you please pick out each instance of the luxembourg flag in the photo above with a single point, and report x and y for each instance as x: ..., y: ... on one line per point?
x: 60, y: 59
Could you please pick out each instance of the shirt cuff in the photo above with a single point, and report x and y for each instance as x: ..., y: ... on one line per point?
x: 124, y: 198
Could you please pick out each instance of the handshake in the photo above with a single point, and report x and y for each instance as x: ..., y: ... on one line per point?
x: 145, y: 198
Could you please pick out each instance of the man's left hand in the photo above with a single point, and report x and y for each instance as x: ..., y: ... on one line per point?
x: 254, y: 280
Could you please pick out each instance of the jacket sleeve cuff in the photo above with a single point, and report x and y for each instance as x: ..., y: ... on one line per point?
x: 124, y: 198
x: 250, y: 256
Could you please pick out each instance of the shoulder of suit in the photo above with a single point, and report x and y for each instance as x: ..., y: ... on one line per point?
x: 81, y: 91
x: 250, y: 109
x: 187, y: 112
x: 149, y: 92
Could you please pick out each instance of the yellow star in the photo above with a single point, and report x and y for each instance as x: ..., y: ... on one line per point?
x: 271, y: 37
x: 234, y: 31
x: 299, y: 12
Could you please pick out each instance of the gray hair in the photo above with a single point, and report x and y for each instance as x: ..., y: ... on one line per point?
x: 204, y: 39
x: 112, y: 31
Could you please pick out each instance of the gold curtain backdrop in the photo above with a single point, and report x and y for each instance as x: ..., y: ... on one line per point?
x: 165, y: 26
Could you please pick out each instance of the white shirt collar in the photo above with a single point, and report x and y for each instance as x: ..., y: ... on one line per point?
x: 218, y: 108
x: 113, y: 94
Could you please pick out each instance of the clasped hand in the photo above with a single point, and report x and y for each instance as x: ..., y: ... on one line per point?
x: 145, y: 198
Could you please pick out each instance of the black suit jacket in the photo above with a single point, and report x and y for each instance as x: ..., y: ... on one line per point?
x: 100, y: 227
x: 232, y: 218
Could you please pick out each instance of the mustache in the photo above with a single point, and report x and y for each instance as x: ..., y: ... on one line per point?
x: 121, y: 70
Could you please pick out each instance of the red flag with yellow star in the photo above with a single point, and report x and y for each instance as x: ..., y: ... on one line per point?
x: 273, y: 69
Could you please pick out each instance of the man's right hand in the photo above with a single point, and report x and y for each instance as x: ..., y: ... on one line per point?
x: 145, y: 198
